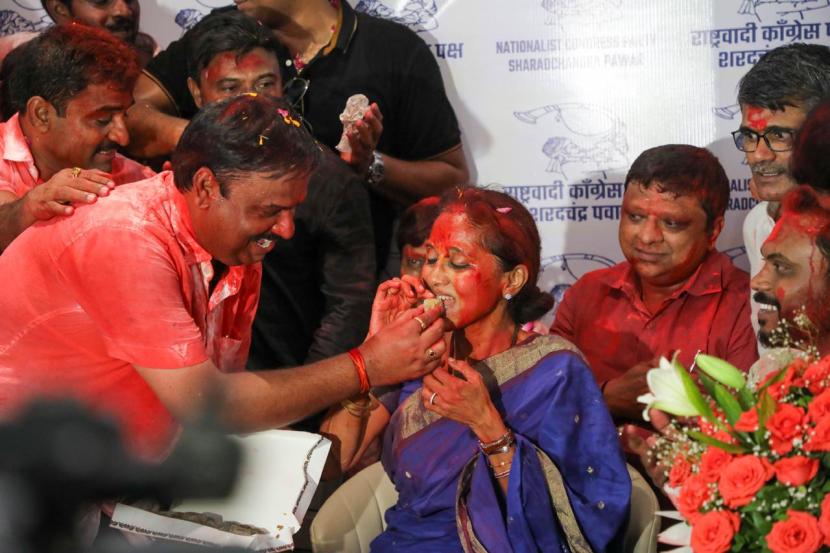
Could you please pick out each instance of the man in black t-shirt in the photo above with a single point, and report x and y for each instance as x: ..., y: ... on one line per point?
x: 331, y: 52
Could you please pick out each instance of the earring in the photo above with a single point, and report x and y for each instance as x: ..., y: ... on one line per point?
x: 508, y: 296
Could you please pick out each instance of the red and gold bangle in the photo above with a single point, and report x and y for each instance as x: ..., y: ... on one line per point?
x: 360, y: 367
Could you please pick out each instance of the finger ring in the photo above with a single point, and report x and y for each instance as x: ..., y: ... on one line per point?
x: 430, y: 353
x: 75, y: 172
x: 432, y: 398
x: 422, y: 323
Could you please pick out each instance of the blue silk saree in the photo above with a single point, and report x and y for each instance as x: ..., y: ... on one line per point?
x: 569, y: 488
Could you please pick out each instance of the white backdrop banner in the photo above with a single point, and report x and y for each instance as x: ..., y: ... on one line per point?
x: 557, y: 97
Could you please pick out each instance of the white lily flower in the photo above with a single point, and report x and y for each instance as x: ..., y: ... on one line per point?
x: 666, y: 392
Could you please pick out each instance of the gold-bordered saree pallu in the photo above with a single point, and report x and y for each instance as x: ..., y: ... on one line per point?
x: 568, y: 488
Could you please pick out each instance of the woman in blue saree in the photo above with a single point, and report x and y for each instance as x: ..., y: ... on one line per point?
x: 509, y: 446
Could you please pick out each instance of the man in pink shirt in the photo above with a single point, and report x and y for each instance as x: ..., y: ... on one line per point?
x: 69, y: 94
x: 141, y: 305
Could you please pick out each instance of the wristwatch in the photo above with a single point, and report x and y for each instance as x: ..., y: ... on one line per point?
x: 376, y: 172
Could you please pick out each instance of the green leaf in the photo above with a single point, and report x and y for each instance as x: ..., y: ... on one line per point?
x: 766, y: 408
x: 723, y: 371
x: 694, y: 395
x: 709, y: 440
x: 746, y: 398
x: 727, y: 402
x: 708, y: 383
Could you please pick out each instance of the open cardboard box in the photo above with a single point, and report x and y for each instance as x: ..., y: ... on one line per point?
x: 279, y: 474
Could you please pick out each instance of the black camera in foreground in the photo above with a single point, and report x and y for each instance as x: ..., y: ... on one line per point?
x: 57, y: 459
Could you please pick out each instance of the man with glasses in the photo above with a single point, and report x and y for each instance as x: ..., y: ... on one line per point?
x: 411, y: 151
x: 775, y: 97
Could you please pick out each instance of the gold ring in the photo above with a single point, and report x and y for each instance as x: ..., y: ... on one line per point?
x: 75, y: 172
x: 422, y: 323
x: 432, y: 398
x: 431, y: 354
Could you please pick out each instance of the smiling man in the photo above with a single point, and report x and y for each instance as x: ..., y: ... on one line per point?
x: 141, y: 306
x: 59, y: 149
x: 775, y: 97
x: 674, y: 292
x: 794, y: 279
x: 318, y: 287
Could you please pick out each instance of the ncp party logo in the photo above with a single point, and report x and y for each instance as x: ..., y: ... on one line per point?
x: 584, y: 139
x: 30, y: 17
x: 418, y: 15
x: 777, y: 8
x: 560, y: 272
x: 187, y: 18
x: 29, y: 5
x: 571, y: 12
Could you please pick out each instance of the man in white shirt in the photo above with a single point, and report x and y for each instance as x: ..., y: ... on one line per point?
x: 775, y: 97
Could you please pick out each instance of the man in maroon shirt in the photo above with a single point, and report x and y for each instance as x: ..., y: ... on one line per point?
x: 674, y: 293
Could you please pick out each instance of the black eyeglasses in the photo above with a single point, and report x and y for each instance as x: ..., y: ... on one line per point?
x: 294, y: 91
x: 777, y: 139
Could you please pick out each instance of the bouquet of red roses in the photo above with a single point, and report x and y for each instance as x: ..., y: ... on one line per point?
x: 748, y: 470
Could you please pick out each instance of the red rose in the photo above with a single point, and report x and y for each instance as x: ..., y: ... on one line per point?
x: 767, y: 378
x: 742, y: 478
x: 776, y: 391
x: 795, y: 471
x: 712, y: 462
x: 817, y: 375
x: 748, y: 421
x: 713, y: 532
x: 824, y: 519
x: 799, y: 533
x: 793, y: 375
x: 680, y: 471
x: 694, y: 493
x: 784, y: 425
x: 818, y: 438
x: 819, y: 408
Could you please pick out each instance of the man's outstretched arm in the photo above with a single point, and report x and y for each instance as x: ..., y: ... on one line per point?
x: 252, y: 401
